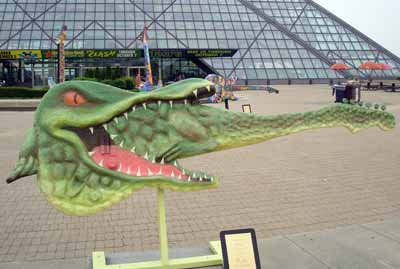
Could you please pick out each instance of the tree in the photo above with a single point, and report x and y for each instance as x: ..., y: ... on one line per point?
x: 108, y: 74
x: 97, y: 74
x: 117, y: 72
x: 89, y: 73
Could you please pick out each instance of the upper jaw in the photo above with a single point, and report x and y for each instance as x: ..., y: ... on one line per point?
x: 98, y: 139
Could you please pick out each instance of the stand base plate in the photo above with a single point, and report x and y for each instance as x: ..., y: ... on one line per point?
x: 99, y: 261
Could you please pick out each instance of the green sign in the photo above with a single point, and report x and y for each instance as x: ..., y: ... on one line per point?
x: 112, y: 53
x: 117, y: 53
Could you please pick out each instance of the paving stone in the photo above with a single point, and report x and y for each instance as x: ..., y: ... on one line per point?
x: 309, y: 181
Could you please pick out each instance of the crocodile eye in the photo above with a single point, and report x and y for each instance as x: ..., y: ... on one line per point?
x: 72, y: 98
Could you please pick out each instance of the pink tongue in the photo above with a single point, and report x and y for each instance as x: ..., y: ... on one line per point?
x: 124, y: 161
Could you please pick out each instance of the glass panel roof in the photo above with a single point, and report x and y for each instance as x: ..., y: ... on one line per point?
x: 264, y: 52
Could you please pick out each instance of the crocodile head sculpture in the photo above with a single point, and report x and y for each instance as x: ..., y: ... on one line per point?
x: 93, y: 145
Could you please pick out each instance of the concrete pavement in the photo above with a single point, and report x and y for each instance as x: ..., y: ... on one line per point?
x: 307, y: 182
x: 367, y: 246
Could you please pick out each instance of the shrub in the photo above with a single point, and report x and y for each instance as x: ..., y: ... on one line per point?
x: 119, y: 83
x: 89, y: 73
x: 383, y: 107
x: 376, y: 106
x: 106, y: 81
x: 99, y: 74
x: 116, y: 73
x: 126, y: 83
x: 368, y: 105
x: 85, y: 78
x: 21, y: 93
x: 129, y: 83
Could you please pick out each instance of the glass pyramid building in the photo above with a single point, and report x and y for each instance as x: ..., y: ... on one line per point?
x: 276, y: 40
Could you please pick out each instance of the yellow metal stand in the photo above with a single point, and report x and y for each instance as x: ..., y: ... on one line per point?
x: 99, y: 259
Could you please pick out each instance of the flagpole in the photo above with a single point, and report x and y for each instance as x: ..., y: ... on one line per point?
x: 149, y: 75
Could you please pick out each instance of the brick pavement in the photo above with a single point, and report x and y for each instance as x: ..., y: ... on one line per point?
x: 304, y: 182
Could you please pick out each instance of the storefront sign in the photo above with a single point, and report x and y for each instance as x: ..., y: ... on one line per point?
x: 20, y: 54
x: 116, y: 53
x: 191, y: 53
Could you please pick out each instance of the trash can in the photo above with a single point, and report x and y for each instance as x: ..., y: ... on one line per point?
x: 339, y: 91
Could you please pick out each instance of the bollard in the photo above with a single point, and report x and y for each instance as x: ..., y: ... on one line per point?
x: 226, y: 100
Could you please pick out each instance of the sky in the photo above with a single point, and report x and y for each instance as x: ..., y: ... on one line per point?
x: 378, y: 19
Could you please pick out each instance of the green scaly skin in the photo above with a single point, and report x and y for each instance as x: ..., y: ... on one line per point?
x: 167, y: 131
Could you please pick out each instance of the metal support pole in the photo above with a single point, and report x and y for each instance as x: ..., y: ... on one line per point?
x: 22, y: 71
x: 33, y: 75
x: 44, y: 81
x: 58, y: 63
x: 162, y: 227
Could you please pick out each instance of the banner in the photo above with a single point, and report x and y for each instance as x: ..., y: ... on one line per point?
x: 192, y: 53
x: 20, y: 54
x: 116, y: 53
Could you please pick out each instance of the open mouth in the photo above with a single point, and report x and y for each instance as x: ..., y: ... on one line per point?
x: 117, y: 151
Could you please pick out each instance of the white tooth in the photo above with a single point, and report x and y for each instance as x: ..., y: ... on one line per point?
x: 189, y: 178
x: 91, y: 153
x: 160, y: 172
x: 101, y: 163
x: 162, y: 160
x: 144, y: 106
x: 153, y: 160
x: 195, y: 93
x: 175, y: 163
x: 113, y: 136
x: 180, y: 177
x: 129, y: 171
x: 126, y: 115
x: 146, y: 156
x: 119, y: 168
x: 133, y: 149
x: 186, y: 102
x: 201, y: 179
x: 184, y: 172
x: 105, y: 126
x: 133, y: 108
x: 91, y: 129
x: 121, y: 145
x: 138, y: 173
x: 149, y: 173
x: 172, y: 174
x: 171, y: 103
x: 116, y: 120
x: 194, y: 175
x: 159, y: 102
x: 209, y: 88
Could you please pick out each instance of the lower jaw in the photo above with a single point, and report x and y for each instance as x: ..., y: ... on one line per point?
x: 126, y: 162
